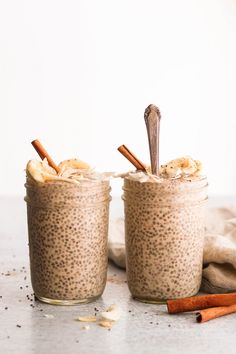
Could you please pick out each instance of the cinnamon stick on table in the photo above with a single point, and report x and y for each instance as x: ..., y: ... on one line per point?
x: 214, y: 312
x: 43, y: 153
x: 131, y: 157
x: 200, y: 302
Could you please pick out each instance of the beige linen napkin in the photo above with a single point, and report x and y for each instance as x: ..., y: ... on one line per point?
x: 219, y: 260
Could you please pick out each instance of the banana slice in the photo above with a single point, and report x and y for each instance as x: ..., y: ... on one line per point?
x: 199, y: 168
x: 106, y: 324
x: 40, y: 171
x: 173, y: 170
x: 188, y: 165
x: 86, y: 319
x: 112, y: 313
x: 73, y: 164
x: 184, y: 166
x: 72, y: 171
x: 48, y: 169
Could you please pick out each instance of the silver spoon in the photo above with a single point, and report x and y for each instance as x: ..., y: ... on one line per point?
x: 152, y: 118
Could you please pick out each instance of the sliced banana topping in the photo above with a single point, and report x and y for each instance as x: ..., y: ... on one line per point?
x: 184, y: 166
x: 40, y: 171
x: 199, y: 168
x: 112, y: 313
x: 73, y: 164
x: 72, y: 171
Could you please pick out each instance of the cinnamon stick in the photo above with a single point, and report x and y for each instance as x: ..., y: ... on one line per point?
x: 43, y: 153
x: 200, y: 302
x: 214, y: 312
x: 131, y: 157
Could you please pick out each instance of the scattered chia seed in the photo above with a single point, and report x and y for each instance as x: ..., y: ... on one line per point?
x: 19, y: 326
x: 6, y: 308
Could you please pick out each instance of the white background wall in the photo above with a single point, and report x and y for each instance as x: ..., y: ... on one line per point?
x: 79, y: 74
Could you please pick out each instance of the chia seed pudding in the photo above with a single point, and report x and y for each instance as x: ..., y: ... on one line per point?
x: 68, y: 231
x: 164, y: 234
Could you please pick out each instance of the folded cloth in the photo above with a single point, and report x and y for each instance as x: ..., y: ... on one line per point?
x: 219, y: 257
x: 116, y: 243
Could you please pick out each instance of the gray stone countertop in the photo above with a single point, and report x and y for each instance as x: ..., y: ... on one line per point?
x: 143, y: 328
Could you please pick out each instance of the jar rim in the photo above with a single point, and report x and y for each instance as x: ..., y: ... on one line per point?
x: 91, y: 184
x: 163, y: 181
x: 67, y: 205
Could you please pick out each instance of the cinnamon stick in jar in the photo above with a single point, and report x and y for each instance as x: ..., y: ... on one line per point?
x: 214, y: 312
x: 44, y: 154
x: 200, y: 302
x: 132, y: 158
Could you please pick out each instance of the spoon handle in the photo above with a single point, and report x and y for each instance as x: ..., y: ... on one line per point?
x: 152, y: 118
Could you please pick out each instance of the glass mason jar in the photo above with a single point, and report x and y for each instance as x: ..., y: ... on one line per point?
x: 68, y: 236
x: 164, y: 235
